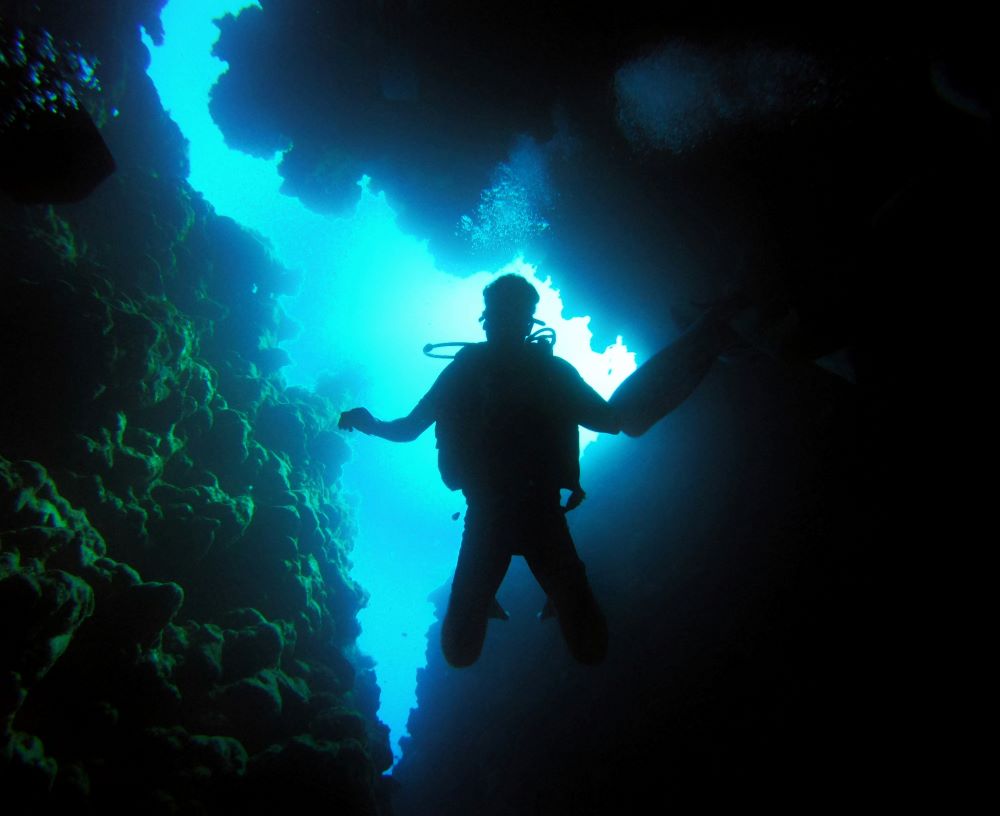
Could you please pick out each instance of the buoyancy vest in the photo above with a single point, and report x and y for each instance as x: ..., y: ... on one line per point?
x: 506, y: 421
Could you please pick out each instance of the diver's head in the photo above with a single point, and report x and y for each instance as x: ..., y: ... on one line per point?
x: 510, y: 308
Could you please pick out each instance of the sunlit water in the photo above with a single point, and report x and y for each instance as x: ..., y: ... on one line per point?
x: 371, y: 298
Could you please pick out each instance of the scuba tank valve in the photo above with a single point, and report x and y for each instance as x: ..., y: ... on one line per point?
x: 546, y: 337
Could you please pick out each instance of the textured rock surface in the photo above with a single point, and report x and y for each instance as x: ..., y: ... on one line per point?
x: 177, y: 616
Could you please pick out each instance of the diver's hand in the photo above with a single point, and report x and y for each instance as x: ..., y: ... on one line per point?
x: 357, y: 418
x: 576, y: 498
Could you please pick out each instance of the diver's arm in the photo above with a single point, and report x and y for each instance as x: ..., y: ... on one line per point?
x: 598, y: 415
x: 591, y: 409
x: 405, y: 429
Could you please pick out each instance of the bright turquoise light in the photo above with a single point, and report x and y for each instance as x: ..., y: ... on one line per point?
x: 371, y: 298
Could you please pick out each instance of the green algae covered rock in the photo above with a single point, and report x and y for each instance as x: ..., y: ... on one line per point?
x: 134, y: 597
x: 40, y: 613
x: 251, y: 649
x: 176, y: 606
x: 27, y: 773
x: 40, y: 608
x: 197, y: 653
x: 306, y: 772
x: 142, y: 612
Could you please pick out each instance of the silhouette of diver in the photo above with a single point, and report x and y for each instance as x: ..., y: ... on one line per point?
x: 506, y: 414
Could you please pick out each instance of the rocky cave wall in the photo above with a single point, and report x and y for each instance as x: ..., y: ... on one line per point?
x: 177, y: 616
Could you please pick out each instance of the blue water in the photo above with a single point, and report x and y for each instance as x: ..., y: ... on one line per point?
x: 371, y: 297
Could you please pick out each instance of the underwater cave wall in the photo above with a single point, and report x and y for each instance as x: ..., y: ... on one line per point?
x: 177, y: 616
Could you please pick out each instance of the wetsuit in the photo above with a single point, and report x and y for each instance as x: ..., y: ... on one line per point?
x: 507, y: 429
x: 507, y: 417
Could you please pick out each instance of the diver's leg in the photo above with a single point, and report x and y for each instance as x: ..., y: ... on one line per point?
x: 667, y: 379
x: 552, y: 558
x: 482, y: 564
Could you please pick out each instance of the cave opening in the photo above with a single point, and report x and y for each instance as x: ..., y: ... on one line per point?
x: 371, y: 297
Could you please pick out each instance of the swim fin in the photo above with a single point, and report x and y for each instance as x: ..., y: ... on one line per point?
x: 497, y: 611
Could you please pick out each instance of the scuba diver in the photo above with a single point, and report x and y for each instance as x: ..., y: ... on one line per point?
x: 507, y: 413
